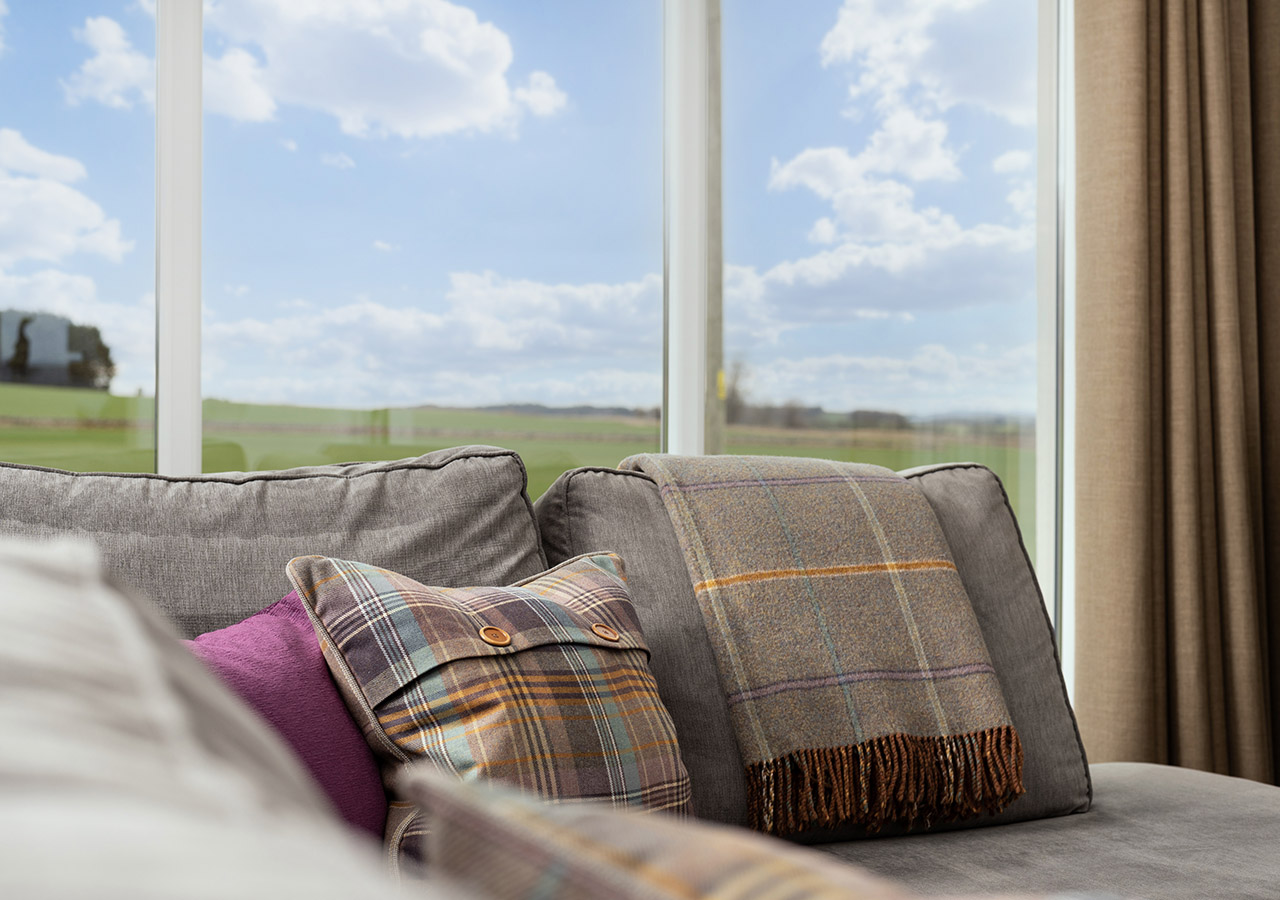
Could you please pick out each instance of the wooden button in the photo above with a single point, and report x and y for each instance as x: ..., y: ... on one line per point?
x: 605, y: 632
x: 492, y: 634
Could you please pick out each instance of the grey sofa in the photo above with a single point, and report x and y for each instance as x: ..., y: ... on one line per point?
x: 211, y: 551
x: 1127, y: 829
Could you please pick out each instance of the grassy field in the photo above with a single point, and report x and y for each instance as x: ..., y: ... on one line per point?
x: 84, y: 430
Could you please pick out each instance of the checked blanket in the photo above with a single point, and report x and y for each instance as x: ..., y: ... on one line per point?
x: 858, y: 682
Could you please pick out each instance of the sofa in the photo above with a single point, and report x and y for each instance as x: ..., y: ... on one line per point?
x: 210, y: 551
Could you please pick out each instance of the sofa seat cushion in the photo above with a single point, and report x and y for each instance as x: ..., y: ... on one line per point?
x: 211, y: 550
x: 606, y: 509
x: 1154, y: 833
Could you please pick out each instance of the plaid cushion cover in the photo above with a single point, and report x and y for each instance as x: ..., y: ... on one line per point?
x: 503, y: 845
x: 544, y: 684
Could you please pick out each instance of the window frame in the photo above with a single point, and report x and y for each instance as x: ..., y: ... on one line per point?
x: 1050, y: 297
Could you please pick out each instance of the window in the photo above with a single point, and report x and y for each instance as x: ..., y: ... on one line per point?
x: 880, y: 234
x: 77, y: 213
x: 427, y: 225
x: 437, y: 222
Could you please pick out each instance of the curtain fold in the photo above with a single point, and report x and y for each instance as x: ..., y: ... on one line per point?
x: 1178, y: 382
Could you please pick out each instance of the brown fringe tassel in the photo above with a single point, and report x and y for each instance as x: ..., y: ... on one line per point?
x: 893, y: 778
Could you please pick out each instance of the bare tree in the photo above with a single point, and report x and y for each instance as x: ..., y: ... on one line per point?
x: 735, y: 400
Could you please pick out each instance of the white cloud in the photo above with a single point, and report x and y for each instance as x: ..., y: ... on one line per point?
x: 116, y: 75
x: 405, y: 68
x: 1011, y: 161
x: 929, y: 379
x: 1023, y: 196
x: 289, y: 144
x: 910, y: 145
x: 823, y: 231
x: 823, y: 170
x: 4, y: 11
x: 409, y: 68
x: 516, y: 314
x: 853, y: 280
x: 541, y: 95
x: 236, y: 290
x: 879, y: 214
x: 882, y: 245
x: 233, y: 87
x: 42, y: 217
x: 550, y: 343
x: 16, y: 155
x: 884, y: 256
x: 887, y: 40
x: 338, y: 160
x: 903, y: 144
x: 1023, y: 200
x: 887, y: 255
x: 897, y: 55
x: 385, y: 247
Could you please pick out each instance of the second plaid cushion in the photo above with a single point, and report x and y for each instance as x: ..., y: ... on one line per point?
x: 544, y: 684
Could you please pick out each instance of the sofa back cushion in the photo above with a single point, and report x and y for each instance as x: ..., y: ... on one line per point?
x: 622, y: 511
x: 606, y: 509
x: 212, y: 550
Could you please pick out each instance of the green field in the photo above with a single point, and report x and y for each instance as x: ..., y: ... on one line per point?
x: 85, y: 430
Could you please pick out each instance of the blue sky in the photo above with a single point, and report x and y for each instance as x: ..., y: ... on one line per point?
x: 460, y: 203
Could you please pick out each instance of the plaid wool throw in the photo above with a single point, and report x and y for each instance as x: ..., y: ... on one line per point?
x: 857, y: 678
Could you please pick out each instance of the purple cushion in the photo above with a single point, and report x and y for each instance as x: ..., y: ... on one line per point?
x: 273, y: 661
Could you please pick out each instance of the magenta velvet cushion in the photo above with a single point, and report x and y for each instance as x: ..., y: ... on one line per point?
x: 273, y: 661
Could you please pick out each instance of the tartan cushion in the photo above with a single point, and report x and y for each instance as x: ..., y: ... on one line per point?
x: 544, y: 684
x: 503, y: 845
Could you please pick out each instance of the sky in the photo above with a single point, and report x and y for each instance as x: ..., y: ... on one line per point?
x: 425, y: 202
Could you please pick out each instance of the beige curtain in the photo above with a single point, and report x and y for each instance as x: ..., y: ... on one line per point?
x: 1178, y: 382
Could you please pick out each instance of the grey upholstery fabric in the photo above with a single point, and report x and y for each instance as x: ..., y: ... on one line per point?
x: 212, y: 550
x: 604, y: 509
x: 128, y: 771
x: 621, y: 511
x: 1154, y: 833
x: 985, y: 541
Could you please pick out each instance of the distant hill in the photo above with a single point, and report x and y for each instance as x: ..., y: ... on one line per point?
x: 538, y: 409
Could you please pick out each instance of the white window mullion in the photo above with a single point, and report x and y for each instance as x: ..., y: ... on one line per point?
x: 178, y: 120
x: 1050, y: 282
x: 686, y: 91
x: 1067, y: 173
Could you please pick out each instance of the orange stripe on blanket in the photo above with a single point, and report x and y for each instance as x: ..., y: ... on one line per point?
x: 824, y: 572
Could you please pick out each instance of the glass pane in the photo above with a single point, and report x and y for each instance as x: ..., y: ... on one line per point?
x: 427, y: 224
x: 77, y: 235
x: 879, y: 198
